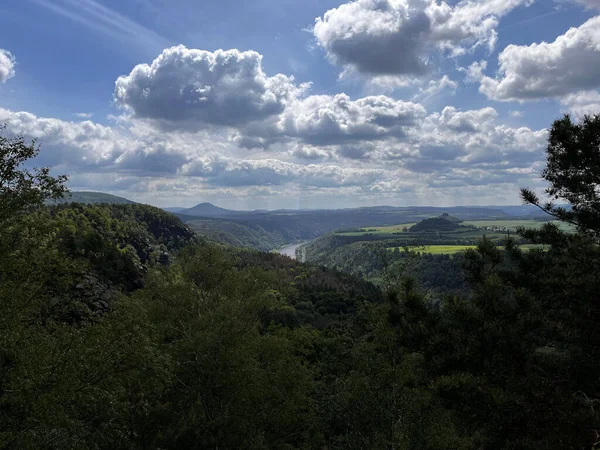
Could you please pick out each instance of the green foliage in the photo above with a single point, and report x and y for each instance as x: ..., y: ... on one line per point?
x: 442, y: 223
x: 240, y: 234
x: 91, y: 198
x: 573, y: 171
x: 20, y: 188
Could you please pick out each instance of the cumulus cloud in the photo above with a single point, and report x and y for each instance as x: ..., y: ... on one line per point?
x: 377, y: 37
x: 472, y: 140
x: 272, y: 172
x: 472, y: 121
x: 324, y: 120
x: 190, y: 89
x: 568, y: 65
x: 80, y: 142
x: 582, y: 103
x: 327, y: 120
x: 86, y: 147
x: 397, y: 37
x: 7, y: 65
x: 406, y: 151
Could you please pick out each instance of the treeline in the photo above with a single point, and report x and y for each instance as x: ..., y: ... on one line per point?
x: 121, y: 330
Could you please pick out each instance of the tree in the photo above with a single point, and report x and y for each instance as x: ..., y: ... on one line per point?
x: 20, y: 188
x: 573, y: 171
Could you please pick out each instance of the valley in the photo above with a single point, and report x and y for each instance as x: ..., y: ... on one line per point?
x: 290, y: 250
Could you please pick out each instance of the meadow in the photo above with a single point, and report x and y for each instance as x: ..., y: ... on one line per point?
x: 495, y: 226
x: 454, y: 249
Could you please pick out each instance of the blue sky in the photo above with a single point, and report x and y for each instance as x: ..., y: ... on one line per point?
x: 309, y: 104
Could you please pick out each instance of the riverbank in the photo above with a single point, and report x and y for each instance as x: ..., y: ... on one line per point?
x: 290, y: 250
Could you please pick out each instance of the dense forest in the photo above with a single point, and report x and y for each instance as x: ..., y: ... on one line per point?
x: 121, y: 328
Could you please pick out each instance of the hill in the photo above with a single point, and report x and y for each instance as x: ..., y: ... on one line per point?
x: 207, y: 210
x: 92, y: 198
x: 442, y: 223
x: 239, y: 234
x: 175, y: 209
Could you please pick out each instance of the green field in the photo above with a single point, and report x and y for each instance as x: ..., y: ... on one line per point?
x: 379, y: 230
x: 514, y: 224
x: 486, y: 227
x: 439, y: 249
x: 454, y: 249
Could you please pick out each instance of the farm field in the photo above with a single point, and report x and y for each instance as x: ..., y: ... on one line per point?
x: 454, y: 249
x: 509, y: 224
x: 514, y: 224
x: 378, y: 230
x: 439, y: 249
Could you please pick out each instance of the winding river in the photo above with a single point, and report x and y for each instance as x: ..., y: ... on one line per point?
x: 290, y: 250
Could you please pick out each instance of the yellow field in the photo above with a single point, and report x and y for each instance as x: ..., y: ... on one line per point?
x: 439, y: 249
x: 380, y: 230
x: 454, y: 249
x: 514, y: 224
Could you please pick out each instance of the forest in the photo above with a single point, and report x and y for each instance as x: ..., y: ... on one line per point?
x: 123, y: 328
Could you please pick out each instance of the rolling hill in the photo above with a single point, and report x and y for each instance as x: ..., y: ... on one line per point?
x: 91, y: 198
x: 208, y: 210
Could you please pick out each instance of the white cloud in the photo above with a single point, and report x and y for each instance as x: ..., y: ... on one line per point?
x: 569, y: 64
x: 327, y: 120
x: 399, y: 37
x: 7, y: 65
x: 467, y: 121
x: 273, y: 172
x: 473, y: 140
x: 191, y: 89
x: 88, y: 146
x: 434, y: 87
x: 474, y: 73
x: 322, y: 120
x: 589, y: 4
x: 582, y: 103
x: 378, y: 37
x: 407, y: 153
x: 84, y: 115
x: 82, y: 143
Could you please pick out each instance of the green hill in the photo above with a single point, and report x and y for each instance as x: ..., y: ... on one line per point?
x: 443, y: 223
x: 92, y: 198
x: 207, y: 210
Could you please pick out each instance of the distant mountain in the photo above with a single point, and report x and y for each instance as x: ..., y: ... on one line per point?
x: 527, y: 210
x: 175, y: 209
x: 208, y: 210
x: 92, y: 198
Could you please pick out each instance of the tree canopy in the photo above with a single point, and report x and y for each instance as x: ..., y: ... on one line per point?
x: 573, y: 172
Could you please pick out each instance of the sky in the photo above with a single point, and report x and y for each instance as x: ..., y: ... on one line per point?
x: 269, y: 104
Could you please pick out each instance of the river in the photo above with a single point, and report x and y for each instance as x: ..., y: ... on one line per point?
x: 290, y: 250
